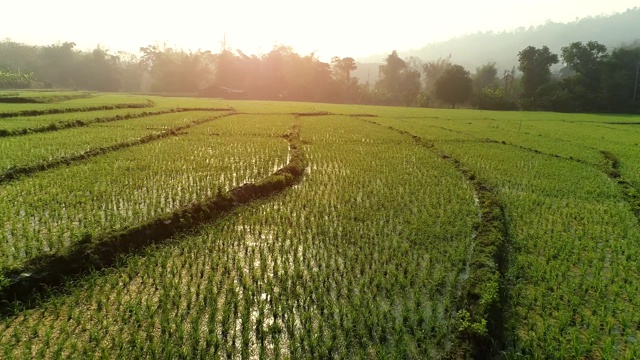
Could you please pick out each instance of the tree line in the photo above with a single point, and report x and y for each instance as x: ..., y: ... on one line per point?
x: 591, y: 80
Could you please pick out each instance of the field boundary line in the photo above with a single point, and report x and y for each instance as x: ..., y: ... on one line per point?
x: 629, y: 192
x: 68, y: 124
x: 536, y: 151
x: 44, y: 99
x: 19, y: 172
x: 148, y: 104
x: 48, y: 275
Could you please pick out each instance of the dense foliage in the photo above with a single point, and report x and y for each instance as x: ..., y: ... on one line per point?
x: 12, y: 80
x: 593, y: 79
x: 454, y: 85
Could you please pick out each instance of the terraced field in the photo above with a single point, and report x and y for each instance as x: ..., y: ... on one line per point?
x: 147, y: 227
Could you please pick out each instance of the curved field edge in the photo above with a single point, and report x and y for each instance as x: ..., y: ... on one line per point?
x: 570, y: 271
x: 67, y: 124
x: 507, y: 137
x: 44, y: 97
x: 500, y: 335
x: 610, y: 164
x: 147, y: 104
x: 18, y: 172
x: 526, y: 148
x: 630, y: 193
x: 25, y: 287
x: 481, y: 314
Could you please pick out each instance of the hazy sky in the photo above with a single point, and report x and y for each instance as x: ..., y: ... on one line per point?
x: 329, y: 28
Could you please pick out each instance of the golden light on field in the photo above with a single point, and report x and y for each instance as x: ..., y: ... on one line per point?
x: 329, y: 28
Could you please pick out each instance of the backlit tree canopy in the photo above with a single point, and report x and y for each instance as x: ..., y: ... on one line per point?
x: 454, y: 85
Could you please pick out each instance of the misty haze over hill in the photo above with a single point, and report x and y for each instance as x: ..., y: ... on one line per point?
x: 474, y: 50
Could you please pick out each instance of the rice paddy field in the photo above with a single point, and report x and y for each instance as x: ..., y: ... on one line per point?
x: 149, y: 227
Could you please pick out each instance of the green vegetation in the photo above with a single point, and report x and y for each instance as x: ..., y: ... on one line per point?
x: 576, y: 77
x: 28, y: 125
x: 49, y: 147
x: 42, y: 96
x: 246, y: 229
x: 127, y: 187
x: 12, y: 80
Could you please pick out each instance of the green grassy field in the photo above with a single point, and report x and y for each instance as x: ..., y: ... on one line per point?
x: 136, y: 226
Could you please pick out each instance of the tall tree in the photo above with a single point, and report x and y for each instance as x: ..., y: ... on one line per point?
x: 58, y: 64
x: 323, y: 83
x: 454, y: 85
x: 398, y: 83
x: 274, y: 76
x: 619, y: 80
x: 389, y: 73
x: 508, y: 79
x: 433, y: 70
x: 131, y: 71
x: 176, y: 70
x: 299, y: 74
x: 535, y: 65
x: 341, y: 68
x: 585, y: 59
x: 486, y: 76
x: 228, y: 70
x: 99, y: 70
x: 583, y: 88
x: 18, y: 57
x: 251, y: 72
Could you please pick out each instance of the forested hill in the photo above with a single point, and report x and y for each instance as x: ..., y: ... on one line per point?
x: 477, y: 49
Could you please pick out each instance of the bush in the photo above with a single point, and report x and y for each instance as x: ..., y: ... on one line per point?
x: 494, y: 99
x: 11, y: 80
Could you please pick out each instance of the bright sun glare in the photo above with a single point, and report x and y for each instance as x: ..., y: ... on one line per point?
x: 328, y: 28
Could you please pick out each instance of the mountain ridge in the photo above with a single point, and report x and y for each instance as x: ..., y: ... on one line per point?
x: 474, y: 50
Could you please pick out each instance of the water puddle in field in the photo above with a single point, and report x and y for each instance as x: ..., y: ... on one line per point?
x: 254, y: 239
x: 258, y: 329
x: 464, y: 276
x: 268, y: 259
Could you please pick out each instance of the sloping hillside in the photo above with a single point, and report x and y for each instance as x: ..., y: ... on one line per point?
x: 503, y: 47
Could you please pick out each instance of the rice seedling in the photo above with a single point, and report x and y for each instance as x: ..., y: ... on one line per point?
x: 32, y: 150
x: 379, y: 251
x: 319, y: 272
x: 50, y: 211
